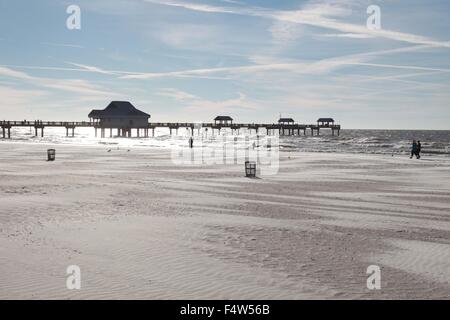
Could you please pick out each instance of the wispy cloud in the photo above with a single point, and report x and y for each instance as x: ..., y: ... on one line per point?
x: 195, y: 105
x: 43, y: 68
x: 197, y: 7
x: 186, y: 35
x: 378, y: 65
x: 12, y: 97
x: 233, y: 2
x: 263, y: 65
x: 92, y: 68
x: 78, y: 86
x: 7, y: 72
x: 399, y: 77
x: 347, y: 35
x: 81, y: 68
x: 66, y: 45
x: 319, y: 15
x: 319, y: 67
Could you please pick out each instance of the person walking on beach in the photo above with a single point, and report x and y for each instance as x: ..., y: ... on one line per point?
x: 419, y: 149
x: 414, y: 149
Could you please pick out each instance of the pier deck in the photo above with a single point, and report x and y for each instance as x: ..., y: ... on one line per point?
x: 125, y: 131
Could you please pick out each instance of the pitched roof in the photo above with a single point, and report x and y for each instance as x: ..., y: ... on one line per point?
x: 223, y: 118
x: 325, y: 120
x: 118, y: 109
x: 285, y: 120
x: 95, y: 113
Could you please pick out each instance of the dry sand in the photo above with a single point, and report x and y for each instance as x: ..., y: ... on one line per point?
x: 141, y: 227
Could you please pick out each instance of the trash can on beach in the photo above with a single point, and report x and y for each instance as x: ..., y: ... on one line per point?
x: 51, y: 153
x: 250, y: 169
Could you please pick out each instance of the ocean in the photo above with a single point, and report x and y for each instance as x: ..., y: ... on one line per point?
x: 434, y: 142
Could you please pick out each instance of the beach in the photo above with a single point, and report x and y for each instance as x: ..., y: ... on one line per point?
x: 140, y: 226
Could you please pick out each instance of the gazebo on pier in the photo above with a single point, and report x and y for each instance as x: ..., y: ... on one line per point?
x: 325, y: 122
x: 286, y: 121
x: 120, y: 115
x: 223, y: 120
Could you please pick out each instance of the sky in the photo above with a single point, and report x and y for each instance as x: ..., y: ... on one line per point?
x: 253, y: 60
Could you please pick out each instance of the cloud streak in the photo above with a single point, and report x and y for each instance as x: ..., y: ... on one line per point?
x: 377, y: 65
x: 319, y: 67
x: 318, y: 15
x: 78, y: 86
x: 197, y: 106
x: 65, y: 45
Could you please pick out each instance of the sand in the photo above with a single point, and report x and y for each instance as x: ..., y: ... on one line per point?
x: 140, y: 226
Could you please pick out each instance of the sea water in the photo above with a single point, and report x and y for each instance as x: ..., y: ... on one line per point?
x: 434, y: 142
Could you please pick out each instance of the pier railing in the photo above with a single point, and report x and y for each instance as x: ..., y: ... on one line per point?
x: 47, y: 123
x: 161, y: 124
x: 291, y: 128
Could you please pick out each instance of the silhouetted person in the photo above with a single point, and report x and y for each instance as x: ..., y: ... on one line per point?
x: 419, y: 149
x: 191, y: 142
x: 414, y: 148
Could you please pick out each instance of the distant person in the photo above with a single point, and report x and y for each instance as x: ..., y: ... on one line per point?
x: 414, y: 148
x: 419, y: 149
x: 191, y: 142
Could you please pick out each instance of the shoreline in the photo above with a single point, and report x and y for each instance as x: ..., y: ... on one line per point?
x: 285, y: 150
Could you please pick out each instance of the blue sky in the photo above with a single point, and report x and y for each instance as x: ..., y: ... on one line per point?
x: 254, y: 60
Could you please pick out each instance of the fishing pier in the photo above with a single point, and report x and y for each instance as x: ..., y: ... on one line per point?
x: 143, y: 131
x: 121, y: 118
